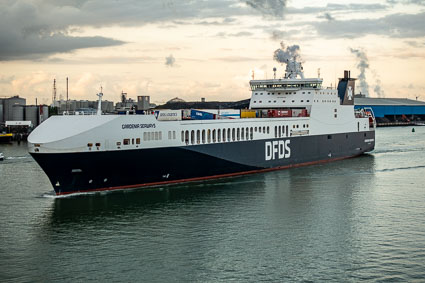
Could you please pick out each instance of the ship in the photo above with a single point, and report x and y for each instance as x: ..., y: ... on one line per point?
x: 291, y: 121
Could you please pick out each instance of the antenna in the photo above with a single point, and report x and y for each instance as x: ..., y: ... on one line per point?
x: 274, y: 71
x: 318, y: 73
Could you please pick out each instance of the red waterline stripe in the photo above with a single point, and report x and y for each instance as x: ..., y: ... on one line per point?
x: 154, y: 184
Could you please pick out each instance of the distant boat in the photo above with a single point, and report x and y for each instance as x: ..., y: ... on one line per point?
x: 5, y: 138
x: 419, y: 123
x: 1, y: 156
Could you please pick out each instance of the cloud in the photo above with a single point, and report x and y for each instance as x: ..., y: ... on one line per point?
x: 407, y: 2
x: 6, y: 79
x: 274, y: 8
x: 170, y: 60
x: 336, y: 8
x: 326, y: 16
x: 237, y: 34
x: 27, y: 33
x: 395, y: 25
x: 32, y: 29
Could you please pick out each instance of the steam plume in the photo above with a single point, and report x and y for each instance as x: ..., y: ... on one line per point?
x: 362, y: 65
x: 284, y: 54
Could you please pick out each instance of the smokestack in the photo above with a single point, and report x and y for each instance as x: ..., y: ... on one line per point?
x: 346, y: 74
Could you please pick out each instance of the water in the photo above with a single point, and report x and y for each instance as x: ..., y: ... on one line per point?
x: 351, y: 220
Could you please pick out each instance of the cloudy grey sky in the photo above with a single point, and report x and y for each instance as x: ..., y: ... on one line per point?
x: 171, y: 48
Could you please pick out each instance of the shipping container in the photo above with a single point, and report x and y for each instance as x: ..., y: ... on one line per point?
x: 279, y: 113
x: 186, y: 114
x: 200, y: 115
x: 303, y: 113
x: 168, y: 115
x: 223, y: 113
x: 248, y: 113
x: 230, y: 113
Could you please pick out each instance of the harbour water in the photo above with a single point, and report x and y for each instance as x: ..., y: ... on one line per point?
x: 346, y: 221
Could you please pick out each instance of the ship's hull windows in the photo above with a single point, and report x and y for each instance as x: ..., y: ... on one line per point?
x: 198, y: 136
x: 182, y: 133
x: 238, y: 134
x: 251, y: 133
x: 280, y: 132
x: 247, y: 133
x: 203, y: 136
x: 224, y: 135
x: 242, y: 134
x: 214, y: 136
x: 219, y: 135
x: 192, y: 137
x: 228, y: 135
x: 209, y: 135
x: 187, y: 137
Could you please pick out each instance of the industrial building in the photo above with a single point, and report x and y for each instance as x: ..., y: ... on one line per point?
x: 126, y: 104
x: 15, y: 109
x: 83, y: 106
x: 393, y: 110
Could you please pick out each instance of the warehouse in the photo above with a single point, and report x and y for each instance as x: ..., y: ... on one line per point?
x: 393, y: 110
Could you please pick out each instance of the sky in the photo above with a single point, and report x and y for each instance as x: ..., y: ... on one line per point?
x: 195, y: 49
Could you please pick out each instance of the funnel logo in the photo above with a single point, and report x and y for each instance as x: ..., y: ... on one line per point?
x: 350, y: 93
x: 278, y: 149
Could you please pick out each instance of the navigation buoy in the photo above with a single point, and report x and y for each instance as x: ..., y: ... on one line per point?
x: 413, y: 130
